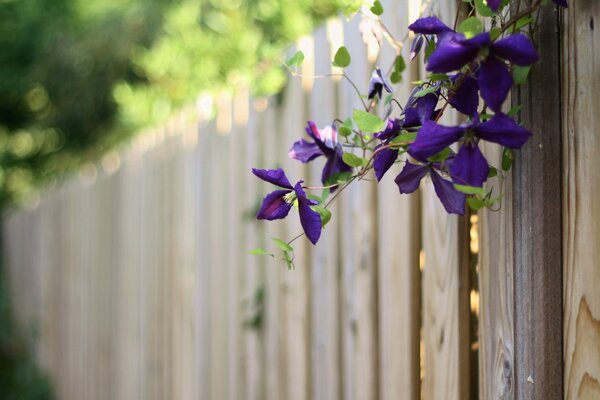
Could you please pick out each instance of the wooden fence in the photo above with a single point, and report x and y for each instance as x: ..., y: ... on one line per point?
x: 136, y: 280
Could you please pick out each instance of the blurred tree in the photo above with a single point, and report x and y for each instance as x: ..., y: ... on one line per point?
x: 78, y: 77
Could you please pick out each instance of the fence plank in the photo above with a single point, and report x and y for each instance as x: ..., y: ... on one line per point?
x: 537, y: 225
x: 581, y: 199
x: 398, y: 233
x: 359, y: 255
x: 496, y: 272
x: 445, y: 284
x: 324, y: 265
x: 295, y: 284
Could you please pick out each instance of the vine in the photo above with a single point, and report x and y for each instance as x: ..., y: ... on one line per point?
x: 467, y: 66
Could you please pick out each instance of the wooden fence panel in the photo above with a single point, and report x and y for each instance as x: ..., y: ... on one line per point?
x: 359, y: 238
x: 581, y: 200
x: 445, y: 284
x: 295, y: 284
x: 324, y: 264
x: 398, y: 233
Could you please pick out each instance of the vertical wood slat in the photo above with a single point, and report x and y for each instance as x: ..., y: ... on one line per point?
x: 359, y: 256
x: 295, y: 284
x: 537, y: 224
x: 445, y: 284
x: 324, y: 264
x: 581, y: 200
x: 398, y: 233
x: 253, y: 318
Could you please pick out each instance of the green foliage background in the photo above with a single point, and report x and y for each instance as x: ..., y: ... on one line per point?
x: 79, y: 77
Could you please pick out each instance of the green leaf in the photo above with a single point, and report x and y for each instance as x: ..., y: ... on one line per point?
x: 377, y: 8
x: 289, y: 260
x: 514, y: 111
x: 399, y: 64
x: 296, y: 59
x: 492, y: 172
x: 367, y: 122
x: 521, y: 22
x: 260, y: 252
x: 429, y: 49
x: 345, y: 131
x: 470, y: 27
x: 475, y: 204
x: 341, y: 58
x: 395, y: 77
x: 520, y: 74
x: 482, y: 9
x: 324, y: 213
x: 438, y: 77
x: 282, y: 244
x: 423, y: 92
x: 466, y: 189
x: 404, y: 137
x: 495, y: 33
x: 441, y: 156
x: 507, y: 159
x: 352, y: 160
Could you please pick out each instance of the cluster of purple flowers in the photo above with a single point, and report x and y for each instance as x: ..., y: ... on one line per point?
x: 478, y: 67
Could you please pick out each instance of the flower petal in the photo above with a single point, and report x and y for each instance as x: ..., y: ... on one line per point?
x: 426, y: 106
x: 309, y: 219
x: 415, y: 47
x: 516, y: 48
x: 494, y: 4
x: 383, y: 161
x: 391, y: 130
x: 429, y: 26
x: 305, y: 151
x: 274, y: 206
x: 503, y: 130
x: 454, y: 51
x: 561, y: 2
x: 433, y: 138
x: 274, y: 176
x: 334, y: 165
x: 464, y: 96
x: 410, y: 178
x: 452, y: 200
x: 469, y: 167
x: 377, y: 83
x: 494, y: 82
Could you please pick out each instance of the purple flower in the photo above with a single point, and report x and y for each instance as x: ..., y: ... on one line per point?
x: 277, y: 204
x: 417, y: 111
x: 429, y: 26
x: 455, y: 51
x: 377, y: 84
x: 469, y: 167
x: 410, y: 178
x: 463, y: 94
x: 562, y: 3
x: 325, y: 143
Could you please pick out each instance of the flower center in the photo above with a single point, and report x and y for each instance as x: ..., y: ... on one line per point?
x: 290, y: 198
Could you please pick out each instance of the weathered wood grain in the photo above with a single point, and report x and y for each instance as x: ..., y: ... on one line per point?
x: 581, y: 199
x: 537, y: 225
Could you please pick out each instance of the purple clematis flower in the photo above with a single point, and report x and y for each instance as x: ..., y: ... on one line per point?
x: 277, y: 204
x: 495, y: 80
x: 416, y: 112
x: 469, y: 167
x: 410, y: 178
x: 377, y: 84
x: 325, y: 143
x: 429, y: 26
x: 463, y: 95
